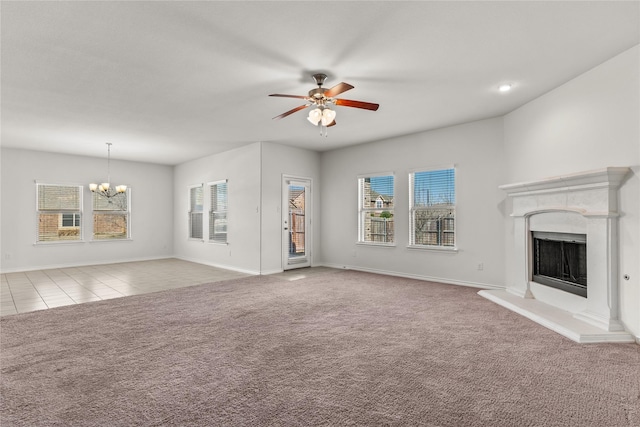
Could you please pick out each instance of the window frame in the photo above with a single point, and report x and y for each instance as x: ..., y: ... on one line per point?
x: 191, y: 212
x: 413, y: 209
x: 60, y: 212
x: 363, y: 210
x: 97, y: 212
x: 212, y: 213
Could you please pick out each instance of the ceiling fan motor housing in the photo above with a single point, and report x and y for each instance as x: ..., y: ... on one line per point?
x: 317, y: 93
x: 319, y: 78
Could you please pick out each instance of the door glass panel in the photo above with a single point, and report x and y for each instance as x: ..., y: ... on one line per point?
x: 297, y: 200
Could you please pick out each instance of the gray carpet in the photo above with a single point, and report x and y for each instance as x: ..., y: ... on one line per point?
x: 340, y: 349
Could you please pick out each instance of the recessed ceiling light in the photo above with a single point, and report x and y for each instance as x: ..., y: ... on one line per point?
x: 505, y: 87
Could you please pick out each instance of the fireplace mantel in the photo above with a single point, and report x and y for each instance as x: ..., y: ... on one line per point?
x: 585, y: 203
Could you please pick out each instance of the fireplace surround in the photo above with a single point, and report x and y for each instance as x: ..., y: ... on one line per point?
x: 578, y: 204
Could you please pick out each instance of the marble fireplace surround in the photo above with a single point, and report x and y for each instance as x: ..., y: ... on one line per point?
x: 581, y: 203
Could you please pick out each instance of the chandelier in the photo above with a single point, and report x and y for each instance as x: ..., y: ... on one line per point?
x: 105, y: 189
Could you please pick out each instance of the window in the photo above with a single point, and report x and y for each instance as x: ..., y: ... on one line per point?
x: 432, y: 208
x: 111, y: 216
x: 218, y: 212
x: 70, y: 220
x: 375, y: 209
x: 59, y: 212
x: 195, y: 212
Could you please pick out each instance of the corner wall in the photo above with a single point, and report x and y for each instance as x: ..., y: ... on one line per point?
x: 151, y: 210
x: 476, y: 150
x: 591, y: 122
x: 279, y: 160
x: 241, y: 167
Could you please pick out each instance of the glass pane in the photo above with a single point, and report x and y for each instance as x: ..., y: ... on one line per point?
x: 436, y: 187
x: 377, y: 192
x: 378, y: 226
x: 297, y: 199
x: 51, y: 227
x: 195, y: 225
x: 118, y: 202
x: 219, y: 197
x: 218, y: 227
x: 110, y: 226
x: 195, y: 199
x: 434, y: 227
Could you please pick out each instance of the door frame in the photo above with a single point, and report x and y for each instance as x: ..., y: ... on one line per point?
x: 308, y: 220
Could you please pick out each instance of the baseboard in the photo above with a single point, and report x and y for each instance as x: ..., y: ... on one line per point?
x: 414, y: 276
x: 267, y: 272
x: 81, y: 264
x: 217, y: 265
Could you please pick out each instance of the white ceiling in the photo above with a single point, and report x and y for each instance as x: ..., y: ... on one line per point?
x: 168, y: 82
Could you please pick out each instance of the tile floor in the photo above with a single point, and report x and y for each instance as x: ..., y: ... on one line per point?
x: 42, y: 289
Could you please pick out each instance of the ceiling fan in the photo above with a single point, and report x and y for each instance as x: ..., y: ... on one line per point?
x: 322, y: 98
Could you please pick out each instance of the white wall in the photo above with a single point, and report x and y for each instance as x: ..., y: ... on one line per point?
x: 241, y: 167
x: 591, y: 122
x: 279, y: 160
x: 476, y: 150
x: 151, y: 216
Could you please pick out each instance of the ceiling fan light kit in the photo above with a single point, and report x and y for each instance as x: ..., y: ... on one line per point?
x: 320, y: 97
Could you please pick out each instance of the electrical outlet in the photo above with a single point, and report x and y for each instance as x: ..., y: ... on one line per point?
x: 480, y: 266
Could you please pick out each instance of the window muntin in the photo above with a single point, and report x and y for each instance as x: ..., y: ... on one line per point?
x: 375, y: 209
x: 55, y: 205
x: 432, y: 208
x: 218, y: 202
x: 196, y: 209
x: 111, y: 216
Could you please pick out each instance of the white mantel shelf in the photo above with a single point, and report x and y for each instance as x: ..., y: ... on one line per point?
x: 610, y: 177
x: 579, y: 203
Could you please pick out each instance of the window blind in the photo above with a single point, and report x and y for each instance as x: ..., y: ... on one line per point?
x: 111, y: 216
x: 195, y: 212
x: 59, y: 212
x: 218, y: 193
x: 375, y: 209
x: 432, y: 207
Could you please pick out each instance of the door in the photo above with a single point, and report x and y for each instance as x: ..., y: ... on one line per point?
x: 296, y: 221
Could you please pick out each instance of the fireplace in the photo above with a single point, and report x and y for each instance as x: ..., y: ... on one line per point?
x: 560, y: 261
x: 563, y: 228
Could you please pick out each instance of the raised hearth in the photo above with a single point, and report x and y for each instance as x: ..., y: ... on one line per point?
x: 579, y: 204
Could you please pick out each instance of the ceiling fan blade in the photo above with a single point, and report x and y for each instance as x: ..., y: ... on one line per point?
x: 302, y: 107
x: 289, y: 96
x: 338, y: 89
x: 333, y: 123
x: 357, y: 104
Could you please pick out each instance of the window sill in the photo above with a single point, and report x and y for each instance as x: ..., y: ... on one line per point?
x: 110, y: 240
x: 450, y: 249
x: 213, y: 242
x: 59, y: 242
x: 383, y: 245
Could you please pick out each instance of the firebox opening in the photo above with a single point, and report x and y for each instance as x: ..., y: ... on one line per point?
x: 560, y: 261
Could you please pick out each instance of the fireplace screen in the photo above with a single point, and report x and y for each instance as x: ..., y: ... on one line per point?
x: 560, y: 261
